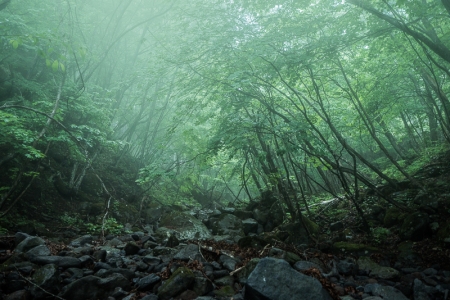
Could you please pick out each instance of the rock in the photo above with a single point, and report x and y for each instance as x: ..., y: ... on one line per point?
x: 274, y: 279
x: 39, y: 250
x: 260, y: 216
x: 250, y: 226
x: 243, y: 274
x: 296, y: 232
x: 81, y: 241
x: 227, y: 224
x: 336, y: 226
x: 385, y: 292
x: 255, y: 242
x: 347, y: 266
x: 228, y: 262
x: 29, y: 243
x: 290, y: 257
x: 92, y: 287
x: 18, y: 295
x: 148, y: 282
x: 45, y: 279
x: 190, y: 252
x: 415, y: 227
x: 375, y: 270
x: 226, y: 292
x: 243, y: 214
x: 186, y: 226
x: 61, y: 261
x: 19, y: 237
x: 392, y: 217
x: 131, y: 248
x: 202, y: 286
x: 360, y: 249
x: 306, y: 265
x: 181, y: 280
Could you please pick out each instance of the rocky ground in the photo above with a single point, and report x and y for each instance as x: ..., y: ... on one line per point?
x: 228, y: 261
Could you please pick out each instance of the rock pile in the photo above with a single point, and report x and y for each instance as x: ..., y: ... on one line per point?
x: 141, y: 266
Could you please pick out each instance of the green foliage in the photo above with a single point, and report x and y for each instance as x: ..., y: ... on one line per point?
x: 110, y: 226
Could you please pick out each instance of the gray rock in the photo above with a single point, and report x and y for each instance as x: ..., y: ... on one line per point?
x: 148, y: 282
x: 274, y: 279
x: 39, y: 250
x: 61, y: 261
x: 131, y: 248
x: 29, y: 243
x: 151, y: 260
x: 366, y: 264
x: 227, y: 224
x: 228, y: 262
x: 190, y: 252
x: 250, y: 226
x: 45, y: 278
x: 19, y: 237
x: 385, y: 292
x: 181, y: 280
x: 18, y: 295
x: 81, y: 241
x: 347, y: 266
x: 202, y: 286
x: 92, y: 287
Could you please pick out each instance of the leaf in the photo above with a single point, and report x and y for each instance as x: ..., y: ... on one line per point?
x: 14, y: 43
x: 55, y: 65
x: 63, y: 68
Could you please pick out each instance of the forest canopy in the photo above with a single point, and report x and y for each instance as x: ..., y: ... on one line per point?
x: 191, y: 102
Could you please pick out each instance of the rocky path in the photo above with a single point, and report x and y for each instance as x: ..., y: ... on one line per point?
x: 140, y: 266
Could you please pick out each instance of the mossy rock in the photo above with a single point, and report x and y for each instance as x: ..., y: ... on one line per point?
x: 296, y: 232
x: 392, y: 217
x: 375, y: 270
x: 406, y: 252
x: 243, y: 274
x: 415, y: 227
x: 187, y: 226
x: 360, y: 249
x: 227, y: 224
x: 181, y: 280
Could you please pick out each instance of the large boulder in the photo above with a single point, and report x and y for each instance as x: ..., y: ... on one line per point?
x: 93, y: 287
x: 274, y: 279
x: 186, y: 227
x: 375, y: 270
x: 45, y: 281
x: 226, y: 224
x: 181, y: 280
x: 415, y: 227
x: 296, y: 232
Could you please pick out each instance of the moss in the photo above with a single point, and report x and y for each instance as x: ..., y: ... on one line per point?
x: 180, y: 280
x: 312, y: 227
x: 392, y: 217
x: 353, y: 247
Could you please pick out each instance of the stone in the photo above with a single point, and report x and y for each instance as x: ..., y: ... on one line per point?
x: 250, y: 226
x: 187, y: 227
x: 181, y: 280
x: 61, y: 261
x: 18, y: 295
x: 29, y: 243
x: 347, y: 266
x: 190, y: 252
x: 385, y: 292
x: 415, y: 227
x: 81, y: 241
x: 274, y: 279
x: 45, y: 279
x: 243, y: 214
x: 228, y: 262
x: 19, y: 237
x: 243, y: 274
x: 202, y: 286
x: 375, y: 270
x: 39, y: 250
x: 131, y: 248
x: 227, y: 224
x: 336, y: 226
x: 148, y: 282
x: 92, y: 287
x: 360, y: 249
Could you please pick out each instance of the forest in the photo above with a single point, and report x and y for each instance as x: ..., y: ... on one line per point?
x: 260, y: 131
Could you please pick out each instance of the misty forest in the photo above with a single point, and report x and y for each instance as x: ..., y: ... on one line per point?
x: 225, y: 149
